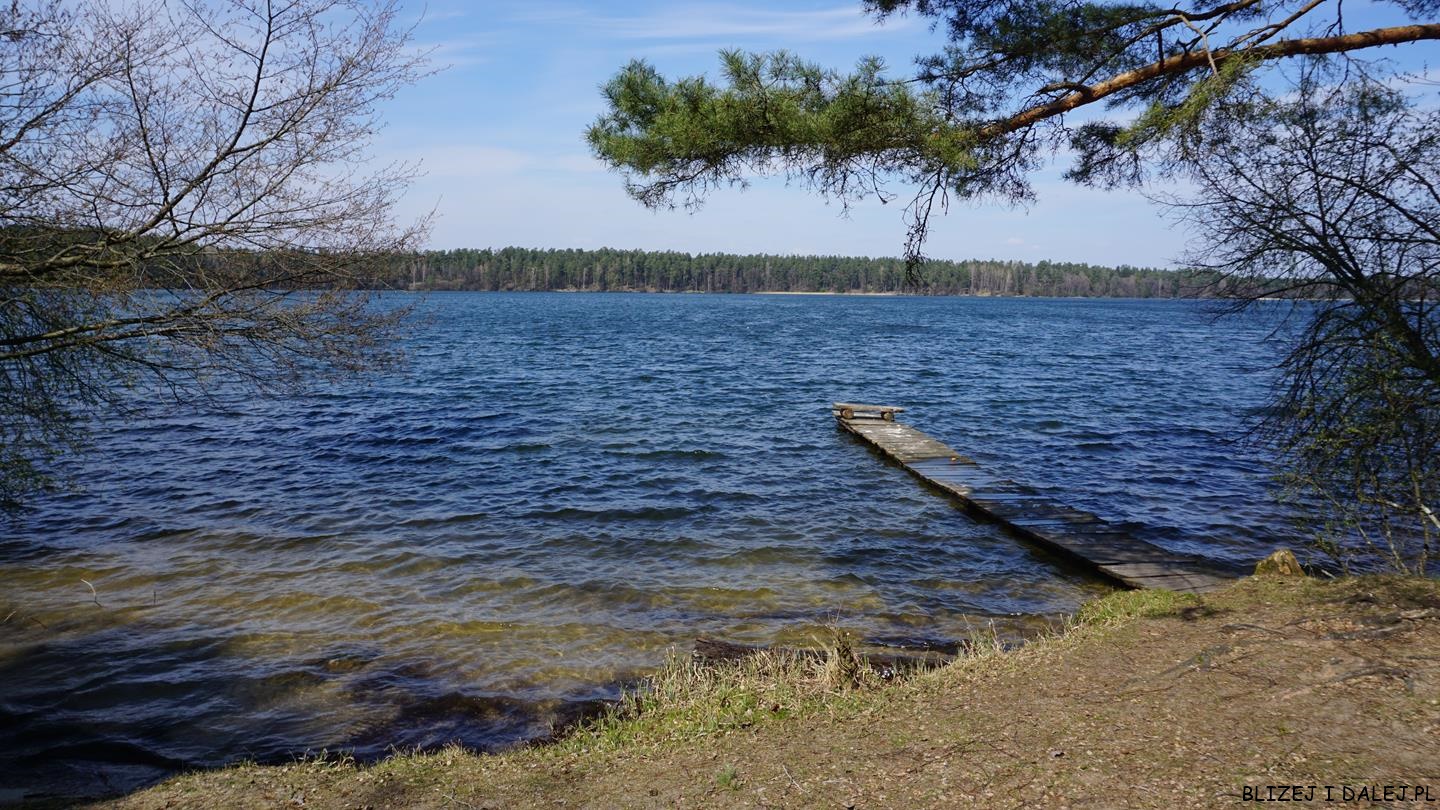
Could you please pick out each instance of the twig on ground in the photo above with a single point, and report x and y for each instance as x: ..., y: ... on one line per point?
x: 792, y: 779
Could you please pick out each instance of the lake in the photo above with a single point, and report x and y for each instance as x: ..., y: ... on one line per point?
x: 558, y: 488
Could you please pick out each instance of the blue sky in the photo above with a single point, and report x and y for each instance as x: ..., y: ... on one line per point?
x: 499, y: 133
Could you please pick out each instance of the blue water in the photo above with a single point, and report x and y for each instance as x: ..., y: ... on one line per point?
x: 556, y: 489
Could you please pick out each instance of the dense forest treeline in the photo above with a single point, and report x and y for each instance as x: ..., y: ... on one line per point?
x: 637, y: 270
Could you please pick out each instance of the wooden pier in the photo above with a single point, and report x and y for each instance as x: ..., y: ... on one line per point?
x: 1023, y: 510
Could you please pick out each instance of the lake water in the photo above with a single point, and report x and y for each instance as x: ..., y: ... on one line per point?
x: 558, y: 488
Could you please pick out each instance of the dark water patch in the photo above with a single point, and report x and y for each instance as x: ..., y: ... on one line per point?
x: 343, y: 661
x: 682, y: 455
x: 477, y: 722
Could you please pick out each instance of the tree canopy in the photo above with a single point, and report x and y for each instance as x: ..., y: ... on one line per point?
x: 606, y: 269
x: 976, y: 119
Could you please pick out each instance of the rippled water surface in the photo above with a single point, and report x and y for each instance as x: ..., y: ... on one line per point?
x: 558, y: 488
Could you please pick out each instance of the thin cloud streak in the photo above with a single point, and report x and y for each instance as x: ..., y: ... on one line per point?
x: 714, y: 21
x: 475, y: 49
x: 480, y: 161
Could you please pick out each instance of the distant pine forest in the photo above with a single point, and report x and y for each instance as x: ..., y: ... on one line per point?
x: 523, y: 269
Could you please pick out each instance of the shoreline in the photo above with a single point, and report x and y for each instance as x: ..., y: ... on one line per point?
x: 1148, y: 698
x: 856, y: 293
x: 805, y: 293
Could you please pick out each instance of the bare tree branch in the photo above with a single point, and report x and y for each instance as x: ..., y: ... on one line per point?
x: 182, y: 199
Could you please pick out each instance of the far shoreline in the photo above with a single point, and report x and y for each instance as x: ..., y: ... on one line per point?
x: 813, y: 294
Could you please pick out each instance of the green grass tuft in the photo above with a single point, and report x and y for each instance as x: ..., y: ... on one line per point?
x: 687, y: 699
x: 727, y: 778
x: 1124, y: 606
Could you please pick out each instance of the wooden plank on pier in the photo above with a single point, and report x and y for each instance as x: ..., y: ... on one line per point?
x: 1027, y: 512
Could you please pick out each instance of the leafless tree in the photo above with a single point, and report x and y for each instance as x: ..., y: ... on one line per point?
x: 1331, y: 198
x: 185, y: 195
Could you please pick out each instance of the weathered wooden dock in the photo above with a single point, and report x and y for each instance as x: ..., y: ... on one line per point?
x: 1025, y: 511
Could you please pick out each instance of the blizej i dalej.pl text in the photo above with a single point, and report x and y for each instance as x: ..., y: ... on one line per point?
x: 1339, y: 793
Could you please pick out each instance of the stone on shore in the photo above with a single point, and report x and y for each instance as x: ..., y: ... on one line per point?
x: 1282, y: 563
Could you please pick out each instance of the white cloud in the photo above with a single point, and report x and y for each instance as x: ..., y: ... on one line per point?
x: 714, y: 21
x: 430, y: 15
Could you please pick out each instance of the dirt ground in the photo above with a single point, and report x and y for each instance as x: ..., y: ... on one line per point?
x: 1270, y: 683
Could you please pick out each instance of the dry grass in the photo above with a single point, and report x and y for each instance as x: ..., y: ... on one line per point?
x: 688, y: 699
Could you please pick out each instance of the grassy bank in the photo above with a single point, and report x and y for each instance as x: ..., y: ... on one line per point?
x: 1145, y: 699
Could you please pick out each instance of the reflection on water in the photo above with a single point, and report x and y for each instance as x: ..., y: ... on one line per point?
x: 559, y: 488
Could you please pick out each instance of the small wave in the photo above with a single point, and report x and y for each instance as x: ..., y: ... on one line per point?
x: 764, y: 555
x: 606, y: 515
x: 467, y: 418
x: 343, y: 660
x: 529, y: 447
x: 224, y: 505
x: 660, y: 455
x: 445, y: 520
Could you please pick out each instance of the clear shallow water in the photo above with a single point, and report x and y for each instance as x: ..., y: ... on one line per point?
x: 558, y: 488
